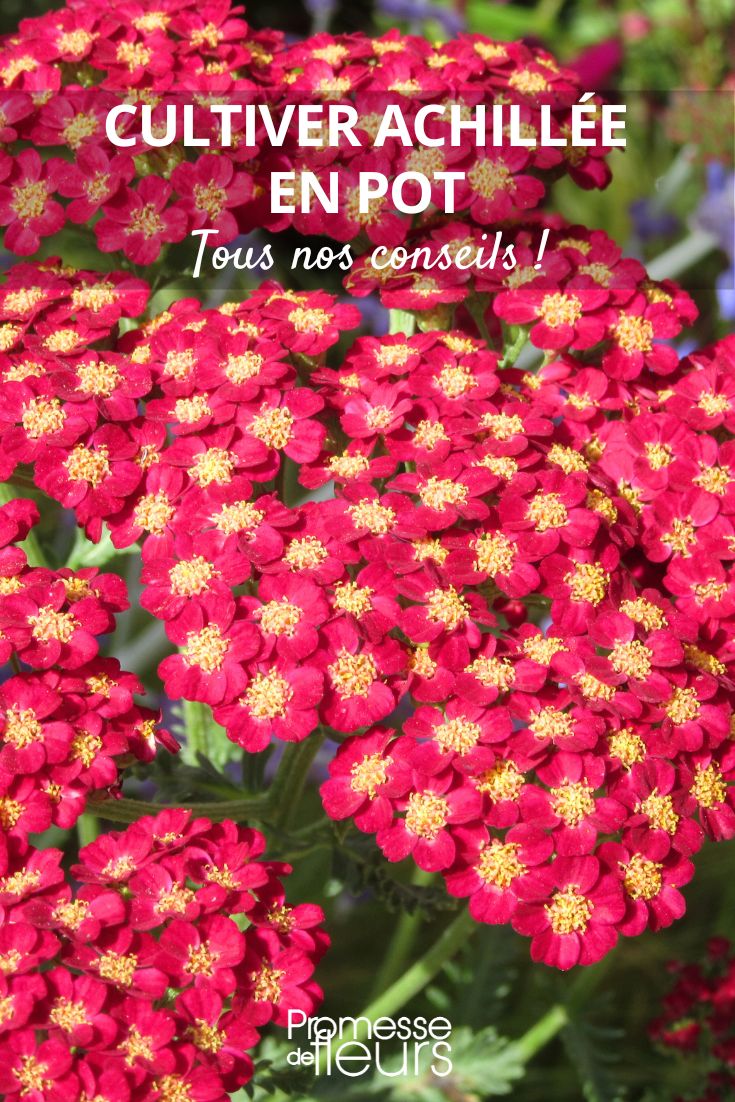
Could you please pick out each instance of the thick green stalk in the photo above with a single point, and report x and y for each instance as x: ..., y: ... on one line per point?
x: 540, y: 1033
x: 420, y: 974
x: 402, y: 321
x: 402, y: 941
x: 512, y: 353
x: 196, y: 728
x: 683, y: 255
x: 285, y: 792
x: 558, y: 1016
x: 88, y: 829
x: 203, y: 736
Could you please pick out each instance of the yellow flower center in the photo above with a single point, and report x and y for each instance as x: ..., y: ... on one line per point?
x: 353, y: 674
x: 448, y: 607
x: 309, y: 321
x: 367, y: 775
x: 242, y: 367
x: 136, y: 1047
x: 455, y: 381
x: 632, y: 659
x: 267, y: 696
x: 201, y: 960
x: 427, y: 813
x: 85, y: 465
x: 48, y: 624
x: 29, y: 200
x: 642, y: 878
x: 487, y: 177
x: 117, y: 968
x: 503, y: 781
x: 550, y: 723
x: 709, y: 788
x: 569, y: 911
x: 628, y: 747
x: 498, y: 672
x: 42, y: 417
x: 659, y: 810
x: 457, y: 734
x: 572, y: 802
x: 559, y: 309
x: 588, y: 582
x: 547, y: 511
x: 712, y: 403
x: 206, y: 648
x: 146, y: 221
x: 238, y: 516
x: 267, y: 984
x: 643, y: 612
x: 438, y: 493
x: 682, y: 706
x: 153, y: 512
x: 499, y: 864
x: 191, y: 577
x: 428, y: 434
x: 213, y: 465
x: 188, y: 411
x: 21, y: 727
x: 633, y: 334
x: 352, y: 598
x: 279, y: 617
x: 31, y: 1074
x: 305, y: 553
x: 528, y: 82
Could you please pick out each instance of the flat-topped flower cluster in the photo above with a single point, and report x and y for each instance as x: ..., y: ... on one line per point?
x: 532, y: 570
x: 69, y: 722
x: 147, y: 976
x: 62, y: 73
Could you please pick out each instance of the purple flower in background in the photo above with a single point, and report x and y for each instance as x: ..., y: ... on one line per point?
x: 649, y: 221
x: 716, y: 210
x: 375, y: 316
x: 418, y: 12
x: 716, y: 215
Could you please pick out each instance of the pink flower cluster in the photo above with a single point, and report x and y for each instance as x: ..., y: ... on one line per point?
x: 533, y: 567
x: 68, y: 719
x: 582, y: 293
x: 62, y: 73
x: 697, y: 1021
x: 149, y: 980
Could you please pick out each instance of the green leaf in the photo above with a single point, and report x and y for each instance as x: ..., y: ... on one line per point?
x: 592, y: 1050
x: 484, y: 1065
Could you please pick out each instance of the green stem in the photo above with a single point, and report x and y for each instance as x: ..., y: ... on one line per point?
x: 195, y: 725
x: 404, y: 936
x: 685, y: 254
x: 540, y: 1033
x: 88, y: 829
x: 402, y: 321
x: 126, y: 810
x: 512, y: 353
x: 476, y: 308
x: 558, y: 1016
x: 285, y: 792
x: 420, y: 974
x: 203, y: 735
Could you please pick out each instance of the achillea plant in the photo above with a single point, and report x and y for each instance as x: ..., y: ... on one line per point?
x: 487, y: 557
